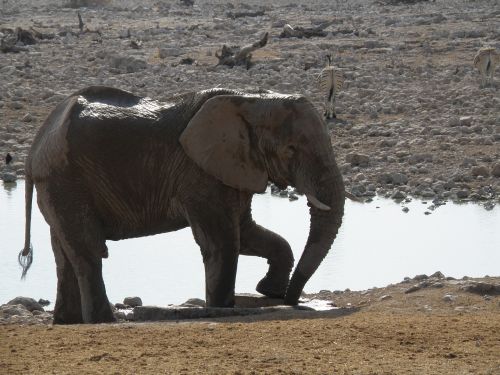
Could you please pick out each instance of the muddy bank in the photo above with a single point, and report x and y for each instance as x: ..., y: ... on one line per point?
x: 412, y: 119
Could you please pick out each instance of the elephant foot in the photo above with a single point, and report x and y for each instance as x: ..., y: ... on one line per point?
x: 67, y: 317
x: 271, y: 287
x: 103, y: 315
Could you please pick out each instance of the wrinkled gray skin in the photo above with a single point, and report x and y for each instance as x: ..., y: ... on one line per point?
x: 108, y: 165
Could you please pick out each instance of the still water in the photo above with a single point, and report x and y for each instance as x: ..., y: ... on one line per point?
x: 378, y: 244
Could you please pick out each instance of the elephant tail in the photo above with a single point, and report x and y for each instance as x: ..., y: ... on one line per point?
x: 25, y: 257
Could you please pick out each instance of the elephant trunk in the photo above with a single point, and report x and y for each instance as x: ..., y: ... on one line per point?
x: 326, y: 217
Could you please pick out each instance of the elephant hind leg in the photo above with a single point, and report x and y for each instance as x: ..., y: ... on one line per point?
x: 84, y: 250
x: 258, y: 241
x: 68, y: 307
x: 80, y: 244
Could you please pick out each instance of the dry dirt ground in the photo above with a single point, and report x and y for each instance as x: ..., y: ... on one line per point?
x: 406, y: 333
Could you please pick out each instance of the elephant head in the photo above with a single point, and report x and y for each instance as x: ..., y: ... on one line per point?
x: 245, y: 141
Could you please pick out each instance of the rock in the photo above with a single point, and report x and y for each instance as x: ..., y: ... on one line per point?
x: 43, y: 302
x: 437, y: 285
x: 462, y: 194
x: 438, y: 275
x: 405, y: 209
x: 16, y: 105
x: 385, y: 297
x: 358, y: 190
x: 127, y: 64
x: 480, y: 171
x: 399, y: 178
x: 132, y: 301
x: 398, y: 195
x: 357, y: 159
x: 482, y: 288
x: 169, y: 52
x: 413, y: 288
x: 9, y: 176
x: 421, y: 277
x: 130, y: 316
x: 192, y: 302
x: 27, y: 302
x: 120, y: 315
x: 27, y: 118
x: 121, y: 306
x: 10, y: 310
x: 465, y: 121
x: 495, y: 170
x: 449, y: 298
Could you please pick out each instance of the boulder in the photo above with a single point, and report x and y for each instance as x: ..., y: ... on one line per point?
x: 482, y: 288
x: 27, y: 302
x: 132, y: 301
x: 8, y: 311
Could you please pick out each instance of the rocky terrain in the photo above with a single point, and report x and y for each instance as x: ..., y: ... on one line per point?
x: 423, y: 325
x: 412, y: 121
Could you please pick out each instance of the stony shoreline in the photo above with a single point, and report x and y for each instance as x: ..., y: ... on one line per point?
x: 27, y: 311
x: 412, y: 120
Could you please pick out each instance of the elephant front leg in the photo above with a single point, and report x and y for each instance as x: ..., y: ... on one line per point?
x: 218, y: 241
x: 259, y: 241
x: 220, y: 276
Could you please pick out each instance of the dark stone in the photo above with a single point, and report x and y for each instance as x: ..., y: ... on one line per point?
x: 133, y: 301
x: 43, y: 302
x: 27, y: 302
x: 482, y: 288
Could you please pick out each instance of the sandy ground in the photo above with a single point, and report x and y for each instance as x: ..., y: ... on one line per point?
x: 406, y: 333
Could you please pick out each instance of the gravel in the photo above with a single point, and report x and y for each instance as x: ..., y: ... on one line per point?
x: 412, y: 113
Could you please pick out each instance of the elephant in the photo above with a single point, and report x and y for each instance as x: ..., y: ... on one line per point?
x: 110, y: 165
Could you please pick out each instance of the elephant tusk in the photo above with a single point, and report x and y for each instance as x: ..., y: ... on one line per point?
x: 316, y: 203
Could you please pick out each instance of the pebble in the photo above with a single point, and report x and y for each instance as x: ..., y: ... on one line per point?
x: 27, y: 117
x: 449, y: 298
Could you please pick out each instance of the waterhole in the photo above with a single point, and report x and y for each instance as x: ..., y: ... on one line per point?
x: 378, y: 244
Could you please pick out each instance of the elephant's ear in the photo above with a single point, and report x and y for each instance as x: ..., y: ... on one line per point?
x: 218, y: 139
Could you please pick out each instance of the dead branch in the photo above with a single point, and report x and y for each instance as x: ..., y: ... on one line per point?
x: 235, y: 55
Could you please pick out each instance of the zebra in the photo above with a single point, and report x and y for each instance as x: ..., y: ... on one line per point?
x: 485, y: 61
x: 330, y: 82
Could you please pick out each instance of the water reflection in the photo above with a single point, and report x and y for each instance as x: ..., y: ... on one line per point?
x: 9, y: 187
x: 377, y: 244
